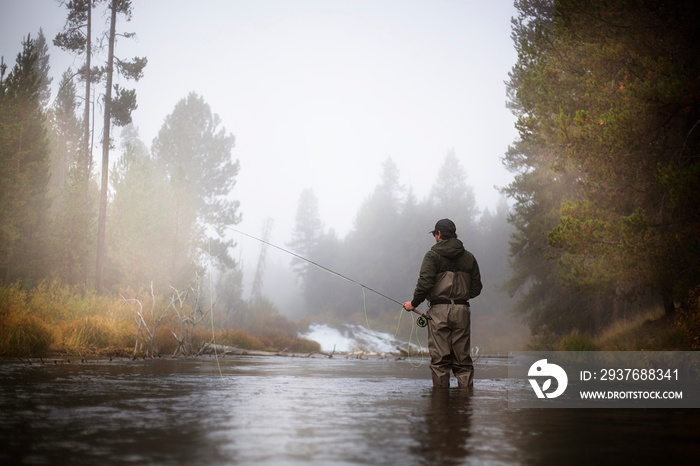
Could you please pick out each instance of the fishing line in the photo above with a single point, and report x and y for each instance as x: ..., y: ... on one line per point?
x: 317, y: 265
x: 398, y: 326
x: 421, y: 321
x: 211, y: 315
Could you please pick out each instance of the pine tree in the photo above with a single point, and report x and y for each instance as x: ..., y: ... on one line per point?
x: 117, y: 111
x: 308, y: 230
x: 77, y: 38
x: 452, y: 196
x: 606, y: 204
x: 24, y: 170
x: 194, y: 153
x: 66, y: 186
x: 138, y: 223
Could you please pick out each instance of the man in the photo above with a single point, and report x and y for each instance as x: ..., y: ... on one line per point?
x: 449, y: 277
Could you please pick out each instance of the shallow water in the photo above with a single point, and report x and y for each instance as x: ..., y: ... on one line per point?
x: 278, y: 410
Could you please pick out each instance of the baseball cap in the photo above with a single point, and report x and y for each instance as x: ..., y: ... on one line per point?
x: 445, y: 225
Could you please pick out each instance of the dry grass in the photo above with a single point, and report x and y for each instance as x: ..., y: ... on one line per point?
x: 52, y: 318
x: 648, y: 331
x: 24, y: 335
x: 623, y: 334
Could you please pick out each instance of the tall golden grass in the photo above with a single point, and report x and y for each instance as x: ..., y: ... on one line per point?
x: 53, y: 317
x: 58, y: 319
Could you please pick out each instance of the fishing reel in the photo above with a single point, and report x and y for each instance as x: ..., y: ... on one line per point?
x: 421, y: 321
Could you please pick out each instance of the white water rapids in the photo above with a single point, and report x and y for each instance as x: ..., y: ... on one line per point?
x: 354, y: 338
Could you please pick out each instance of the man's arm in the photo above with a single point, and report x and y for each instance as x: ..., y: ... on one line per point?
x: 475, y: 284
x: 426, y: 280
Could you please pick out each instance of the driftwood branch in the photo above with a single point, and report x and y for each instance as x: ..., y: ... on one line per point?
x: 187, y: 304
x: 145, y: 334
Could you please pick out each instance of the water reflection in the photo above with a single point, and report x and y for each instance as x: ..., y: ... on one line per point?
x: 442, y: 436
x: 306, y: 411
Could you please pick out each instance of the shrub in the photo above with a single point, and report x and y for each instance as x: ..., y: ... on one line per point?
x: 293, y: 344
x: 165, y: 341
x: 24, y: 335
x: 576, y: 342
x: 95, y: 332
x: 239, y: 339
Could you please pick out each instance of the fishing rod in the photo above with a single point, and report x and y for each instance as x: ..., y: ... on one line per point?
x: 422, y: 319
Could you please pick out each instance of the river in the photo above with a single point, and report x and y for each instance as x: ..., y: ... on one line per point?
x: 318, y: 411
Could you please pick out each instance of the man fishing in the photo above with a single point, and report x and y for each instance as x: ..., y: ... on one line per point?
x: 449, y: 277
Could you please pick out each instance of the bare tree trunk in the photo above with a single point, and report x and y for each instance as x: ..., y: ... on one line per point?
x: 102, y: 222
x: 87, y: 162
x: 144, y: 334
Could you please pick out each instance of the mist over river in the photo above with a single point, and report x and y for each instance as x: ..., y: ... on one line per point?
x: 320, y: 411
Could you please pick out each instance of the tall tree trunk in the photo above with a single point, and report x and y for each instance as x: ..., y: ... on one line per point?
x: 87, y: 157
x: 102, y: 222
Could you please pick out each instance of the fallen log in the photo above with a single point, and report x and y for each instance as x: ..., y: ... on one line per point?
x: 210, y: 348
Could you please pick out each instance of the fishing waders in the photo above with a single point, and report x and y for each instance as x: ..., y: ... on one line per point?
x: 449, y: 345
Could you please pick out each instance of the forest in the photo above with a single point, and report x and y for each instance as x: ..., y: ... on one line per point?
x: 606, y: 187
x: 598, y: 233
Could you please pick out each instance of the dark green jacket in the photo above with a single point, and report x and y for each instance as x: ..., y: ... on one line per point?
x: 447, y: 255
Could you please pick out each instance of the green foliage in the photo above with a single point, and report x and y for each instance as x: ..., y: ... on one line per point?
x: 24, y: 170
x: 607, y: 161
x: 75, y: 240
x: 73, y: 37
x: 123, y: 104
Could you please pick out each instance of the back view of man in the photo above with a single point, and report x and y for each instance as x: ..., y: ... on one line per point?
x: 449, y: 278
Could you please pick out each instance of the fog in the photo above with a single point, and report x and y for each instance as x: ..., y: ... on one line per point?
x: 318, y: 94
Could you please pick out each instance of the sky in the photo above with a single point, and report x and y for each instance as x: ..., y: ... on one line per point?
x: 318, y: 93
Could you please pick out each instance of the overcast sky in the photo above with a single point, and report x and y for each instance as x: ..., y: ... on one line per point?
x: 318, y: 93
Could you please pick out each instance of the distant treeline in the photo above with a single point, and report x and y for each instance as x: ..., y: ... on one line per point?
x: 607, y: 164
x: 385, y: 248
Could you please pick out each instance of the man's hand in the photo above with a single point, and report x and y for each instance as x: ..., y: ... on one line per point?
x: 408, y: 306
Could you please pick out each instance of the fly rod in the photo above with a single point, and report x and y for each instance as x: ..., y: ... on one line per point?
x: 422, y: 320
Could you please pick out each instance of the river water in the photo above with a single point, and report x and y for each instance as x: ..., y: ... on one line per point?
x: 319, y: 411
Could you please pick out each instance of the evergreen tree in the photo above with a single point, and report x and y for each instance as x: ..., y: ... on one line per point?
x: 308, y: 230
x: 117, y: 111
x: 194, y: 153
x: 606, y: 107
x: 452, y: 197
x: 24, y: 170
x: 42, y: 69
x: 321, y: 290
x: 139, y: 222
x: 374, y: 251
x: 66, y: 186
x: 77, y: 38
